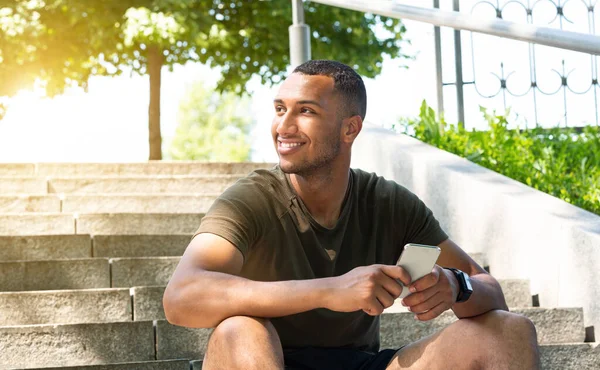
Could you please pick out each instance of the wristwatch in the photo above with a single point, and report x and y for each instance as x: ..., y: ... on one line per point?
x: 464, y: 284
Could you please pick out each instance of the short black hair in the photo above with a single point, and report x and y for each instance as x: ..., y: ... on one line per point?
x: 345, y: 81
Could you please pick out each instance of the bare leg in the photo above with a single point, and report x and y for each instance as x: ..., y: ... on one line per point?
x: 244, y: 343
x: 495, y: 340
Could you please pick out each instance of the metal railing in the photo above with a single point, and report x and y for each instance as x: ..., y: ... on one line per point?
x: 530, y: 33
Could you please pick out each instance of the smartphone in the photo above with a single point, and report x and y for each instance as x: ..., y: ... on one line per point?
x: 418, y: 260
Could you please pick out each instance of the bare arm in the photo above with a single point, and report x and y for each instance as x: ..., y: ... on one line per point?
x: 487, y: 294
x: 205, y: 289
x: 437, y: 292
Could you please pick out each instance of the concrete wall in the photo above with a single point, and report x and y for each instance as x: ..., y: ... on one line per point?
x: 524, y: 233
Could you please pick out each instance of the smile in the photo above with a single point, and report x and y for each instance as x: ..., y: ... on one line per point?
x: 290, y: 145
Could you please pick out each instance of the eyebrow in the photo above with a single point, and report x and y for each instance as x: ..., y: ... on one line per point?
x: 313, y: 102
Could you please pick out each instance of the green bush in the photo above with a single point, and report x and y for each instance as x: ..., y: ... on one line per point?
x: 557, y: 161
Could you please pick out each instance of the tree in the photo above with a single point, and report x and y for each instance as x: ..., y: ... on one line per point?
x: 66, y: 41
x: 212, y: 126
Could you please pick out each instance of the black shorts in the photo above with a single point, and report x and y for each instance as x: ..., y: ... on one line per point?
x: 311, y: 358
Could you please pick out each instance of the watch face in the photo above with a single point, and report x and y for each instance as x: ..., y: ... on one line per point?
x: 468, y: 282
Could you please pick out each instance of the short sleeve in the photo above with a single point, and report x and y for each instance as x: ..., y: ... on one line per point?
x: 421, y: 225
x: 237, y: 215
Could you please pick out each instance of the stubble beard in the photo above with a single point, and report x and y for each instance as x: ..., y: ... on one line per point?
x: 321, y: 165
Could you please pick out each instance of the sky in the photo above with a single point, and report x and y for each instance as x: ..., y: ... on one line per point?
x: 109, y: 122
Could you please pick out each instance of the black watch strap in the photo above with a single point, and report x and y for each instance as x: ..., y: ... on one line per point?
x: 464, y: 284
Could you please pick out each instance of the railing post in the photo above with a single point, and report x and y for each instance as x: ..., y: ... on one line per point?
x: 460, y: 97
x: 438, y: 64
x: 299, y: 36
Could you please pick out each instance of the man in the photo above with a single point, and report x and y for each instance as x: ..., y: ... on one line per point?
x: 293, y: 266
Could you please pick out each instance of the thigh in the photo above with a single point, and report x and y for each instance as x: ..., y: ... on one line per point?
x: 312, y: 358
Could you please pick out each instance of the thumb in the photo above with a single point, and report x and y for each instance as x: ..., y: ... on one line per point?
x: 397, y: 272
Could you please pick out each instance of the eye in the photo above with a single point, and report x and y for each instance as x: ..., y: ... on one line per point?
x: 279, y: 109
x: 306, y: 110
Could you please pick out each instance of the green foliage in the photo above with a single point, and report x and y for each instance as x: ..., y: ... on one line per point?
x: 64, y: 42
x: 212, y: 127
x: 557, y: 161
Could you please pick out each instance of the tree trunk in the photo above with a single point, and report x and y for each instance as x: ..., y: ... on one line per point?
x: 155, y: 63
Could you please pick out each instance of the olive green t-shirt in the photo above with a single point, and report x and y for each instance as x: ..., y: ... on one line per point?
x: 266, y: 220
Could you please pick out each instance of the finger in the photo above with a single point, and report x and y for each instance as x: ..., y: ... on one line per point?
x: 384, y: 297
x: 426, y: 281
x: 429, y: 304
x: 397, y: 272
x: 374, y: 308
x: 392, y: 286
x: 433, y: 313
x: 419, y: 297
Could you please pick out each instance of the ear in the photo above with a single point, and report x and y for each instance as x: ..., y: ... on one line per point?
x: 351, y: 127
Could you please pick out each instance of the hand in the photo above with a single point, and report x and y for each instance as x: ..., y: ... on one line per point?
x: 369, y: 288
x: 432, y: 294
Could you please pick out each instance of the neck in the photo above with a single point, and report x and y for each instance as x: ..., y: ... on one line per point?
x: 323, y: 192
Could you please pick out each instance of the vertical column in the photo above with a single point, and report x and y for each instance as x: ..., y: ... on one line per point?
x: 460, y: 99
x: 438, y: 63
x: 299, y: 36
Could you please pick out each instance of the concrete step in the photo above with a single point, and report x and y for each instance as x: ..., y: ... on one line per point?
x: 45, y: 247
x: 517, y: 292
x: 20, y: 224
x: 138, y: 223
x: 136, y: 168
x: 577, y: 356
x: 107, y: 203
x: 17, y: 169
x: 142, y: 271
x: 574, y: 356
x: 48, y: 247
x: 553, y: 326
x: 15, y: 224
x: 156, y: 271
x: 143, y: 365
x: 147, y: 303
x: 208, y: 184
x: 37, y: 346
x: 66, y: 306
x: 138, y: 203
x: 90, y: 273
x: 23, y: 185
x: 140, y: 245
x: 19, y: 203
x: 85, y: 344
x: 92, y: 305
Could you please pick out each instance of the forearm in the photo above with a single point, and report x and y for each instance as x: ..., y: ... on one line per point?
x: 487, y: 295
x: 207, y: 298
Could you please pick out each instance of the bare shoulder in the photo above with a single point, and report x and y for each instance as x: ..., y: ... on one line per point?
x: 211, y: 252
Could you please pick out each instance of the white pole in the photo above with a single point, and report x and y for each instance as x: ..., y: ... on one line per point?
x: 299, y: 36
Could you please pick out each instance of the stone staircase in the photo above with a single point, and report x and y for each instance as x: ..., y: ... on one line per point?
x: 87, y: 249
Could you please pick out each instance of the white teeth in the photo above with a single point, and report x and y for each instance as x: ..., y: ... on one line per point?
x: 290, y: 145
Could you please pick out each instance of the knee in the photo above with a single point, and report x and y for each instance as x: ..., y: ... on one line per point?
x: 516, y: 325
x: 507, y: 329
x: 242, y: 342
x: 521, y: 324
x: 237, y: 327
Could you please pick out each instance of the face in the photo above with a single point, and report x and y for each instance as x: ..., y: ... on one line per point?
x: 307, y: 127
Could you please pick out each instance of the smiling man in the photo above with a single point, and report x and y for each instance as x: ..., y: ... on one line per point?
x: 293, y: 266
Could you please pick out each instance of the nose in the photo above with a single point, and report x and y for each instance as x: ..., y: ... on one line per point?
x: 286, y: 124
